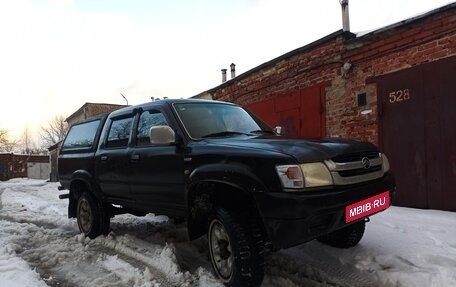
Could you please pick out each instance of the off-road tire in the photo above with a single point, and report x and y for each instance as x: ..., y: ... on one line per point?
x: 245, y: 247
x: 346, y: 237
x: 92, y: 216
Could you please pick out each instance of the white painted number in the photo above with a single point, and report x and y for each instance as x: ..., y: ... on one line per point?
x: 399, y: 96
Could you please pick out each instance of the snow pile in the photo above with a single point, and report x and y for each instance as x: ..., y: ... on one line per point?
x: 15, y: 272
x: 40, y: 246
x: 401, y: 247
x: 127, y: 273
x: 410, y: 246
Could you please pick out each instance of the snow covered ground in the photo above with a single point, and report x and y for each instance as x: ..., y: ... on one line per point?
x: 40, y: 246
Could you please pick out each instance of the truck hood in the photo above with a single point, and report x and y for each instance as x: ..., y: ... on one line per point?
x: 304, y: 150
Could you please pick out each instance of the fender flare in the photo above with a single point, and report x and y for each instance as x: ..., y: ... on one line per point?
x: 88, y: 179
x: 234, y: 174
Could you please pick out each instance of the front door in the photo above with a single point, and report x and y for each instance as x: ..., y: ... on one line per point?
x: 156, y: 171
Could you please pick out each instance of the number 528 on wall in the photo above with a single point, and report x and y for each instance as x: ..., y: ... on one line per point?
x: 399, y: 96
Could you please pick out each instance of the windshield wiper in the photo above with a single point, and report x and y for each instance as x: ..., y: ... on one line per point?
x: 224, y: 133
x: 262, y: 132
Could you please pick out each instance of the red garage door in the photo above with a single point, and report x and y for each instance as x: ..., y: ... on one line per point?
x: 418, y: 133
x: 299, y: 113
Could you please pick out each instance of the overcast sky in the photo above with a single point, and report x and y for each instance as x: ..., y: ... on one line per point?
x: 55, y: 55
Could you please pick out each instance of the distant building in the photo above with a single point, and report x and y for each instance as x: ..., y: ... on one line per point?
x: 87, y: 110
x: 20, y: 165
x: 53, y: 156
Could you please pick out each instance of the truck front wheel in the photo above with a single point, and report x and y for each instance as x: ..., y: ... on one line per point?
x: 346, y: 237
x: 236, y: 253
x: 91, y: 216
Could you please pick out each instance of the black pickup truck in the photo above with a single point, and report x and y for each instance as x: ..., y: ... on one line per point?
x: 228, y: 174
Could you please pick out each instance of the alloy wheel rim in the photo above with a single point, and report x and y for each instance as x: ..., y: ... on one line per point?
x: 85, y: 215
x: 220, y: 247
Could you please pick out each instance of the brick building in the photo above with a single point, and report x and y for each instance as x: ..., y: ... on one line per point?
x: 90, y: 110
x: 393, y: 87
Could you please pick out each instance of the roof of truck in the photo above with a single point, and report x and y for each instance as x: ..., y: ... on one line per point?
x: 161, y: 103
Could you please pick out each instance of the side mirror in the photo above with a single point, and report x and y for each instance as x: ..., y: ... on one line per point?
x: 278, y: 130
x: 162, y: 135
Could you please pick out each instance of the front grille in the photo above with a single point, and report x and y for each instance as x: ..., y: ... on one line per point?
x: 355, y: 156
x: 359, y: 171
x: 352, y: 168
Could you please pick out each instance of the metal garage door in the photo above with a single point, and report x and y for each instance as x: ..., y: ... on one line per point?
x: 417, y: 112
x: 38, y: 170
x: 300, y: 113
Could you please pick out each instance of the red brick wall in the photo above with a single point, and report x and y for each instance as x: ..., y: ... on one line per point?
x: 427, y: 39
x: 13, y: 165
x: 373, y: 55
x: 294, y: 73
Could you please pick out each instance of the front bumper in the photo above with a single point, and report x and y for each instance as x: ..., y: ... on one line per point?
x: 294, y: 218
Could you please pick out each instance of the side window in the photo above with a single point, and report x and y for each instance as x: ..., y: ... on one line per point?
x: 147, y: 120
x: 81, y: 135
x: 119, y: 133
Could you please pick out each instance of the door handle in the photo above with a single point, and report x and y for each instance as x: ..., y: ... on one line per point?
x: 135, y: 157
x: 104, y: 158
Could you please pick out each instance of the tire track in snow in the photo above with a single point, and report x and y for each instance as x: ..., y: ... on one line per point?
x: 154, y: 259
x: 138, y: 248
x: 290, y: 264
x: 72, y: 254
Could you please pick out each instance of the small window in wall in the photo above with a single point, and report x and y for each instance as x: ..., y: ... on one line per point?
x: 119, y: 133
x: 362, y: 99
x: 147, y: 120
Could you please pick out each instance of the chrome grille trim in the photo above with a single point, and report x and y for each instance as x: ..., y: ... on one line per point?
x: 338, y: 166
x: 338, y: 179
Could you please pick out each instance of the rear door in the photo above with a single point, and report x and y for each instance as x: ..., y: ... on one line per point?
x: 112, y: 162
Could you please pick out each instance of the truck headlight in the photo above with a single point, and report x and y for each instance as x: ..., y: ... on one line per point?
x: 385, y: 163
x: 314, y: 174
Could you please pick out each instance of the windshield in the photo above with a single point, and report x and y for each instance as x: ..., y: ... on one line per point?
x: 202, y: 120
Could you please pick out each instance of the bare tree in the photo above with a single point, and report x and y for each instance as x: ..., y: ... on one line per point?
x: 54, y: 132
x: 30, y: 145
x: 6, y: 145
x: 3, y: 139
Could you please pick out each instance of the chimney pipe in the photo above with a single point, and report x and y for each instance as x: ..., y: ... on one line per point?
x: 223, y: 75
x: 345, y: 16
x: 233, y: 70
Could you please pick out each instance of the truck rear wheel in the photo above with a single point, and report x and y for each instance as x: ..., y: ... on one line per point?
x: 91, y: 216
x: 346, y: 237
x: 236, y: 253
